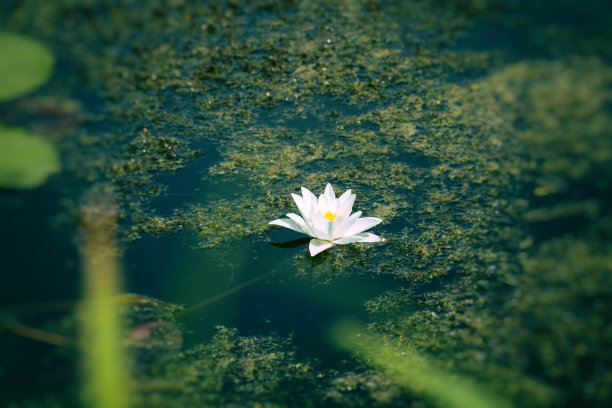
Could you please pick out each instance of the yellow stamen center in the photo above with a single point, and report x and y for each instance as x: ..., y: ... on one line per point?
x: 330, y: 216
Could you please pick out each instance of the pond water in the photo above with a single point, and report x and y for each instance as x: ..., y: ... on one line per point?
x: 478, y: 131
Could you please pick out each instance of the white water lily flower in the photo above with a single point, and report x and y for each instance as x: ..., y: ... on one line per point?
x: 328, y: 220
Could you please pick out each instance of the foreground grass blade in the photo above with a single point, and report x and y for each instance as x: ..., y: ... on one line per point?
x: 105, y: 364
x: 412, y: 371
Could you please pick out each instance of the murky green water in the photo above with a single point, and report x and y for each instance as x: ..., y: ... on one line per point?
x: 479, y: 131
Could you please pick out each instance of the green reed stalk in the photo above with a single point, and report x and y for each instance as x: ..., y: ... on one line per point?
x: 105, y: 364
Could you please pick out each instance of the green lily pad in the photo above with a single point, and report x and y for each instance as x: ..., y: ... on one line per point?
x: 26, y: 160
x: 25, y: 64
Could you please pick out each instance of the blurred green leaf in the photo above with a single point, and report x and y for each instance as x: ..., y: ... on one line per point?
x: 25, y: 64
x: 411, y: 370
x: 26, y: 160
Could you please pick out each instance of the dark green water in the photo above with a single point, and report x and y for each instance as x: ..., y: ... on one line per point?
x: 479, y: 131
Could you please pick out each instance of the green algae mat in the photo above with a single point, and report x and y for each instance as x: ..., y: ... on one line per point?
x: 479, y: 132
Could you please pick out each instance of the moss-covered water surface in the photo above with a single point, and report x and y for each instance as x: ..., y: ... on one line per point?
x: 479, y: 131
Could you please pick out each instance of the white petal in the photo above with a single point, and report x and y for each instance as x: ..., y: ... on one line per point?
x: 317, y: 246
x: 346, y: 204
x: 331, y: 229
x: 287, y: 223
x: 329, y: 192
x: 362, y: 224
x: 347, y: 240
x: 337, y: 224
x: 344, y: 196
x: 301, y: 223
x: 324, y: 204
x: 308, y: 196
x: 346, y: 224
x: 368, y: 237
x: 318, y: 223
x: 303, y: 205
